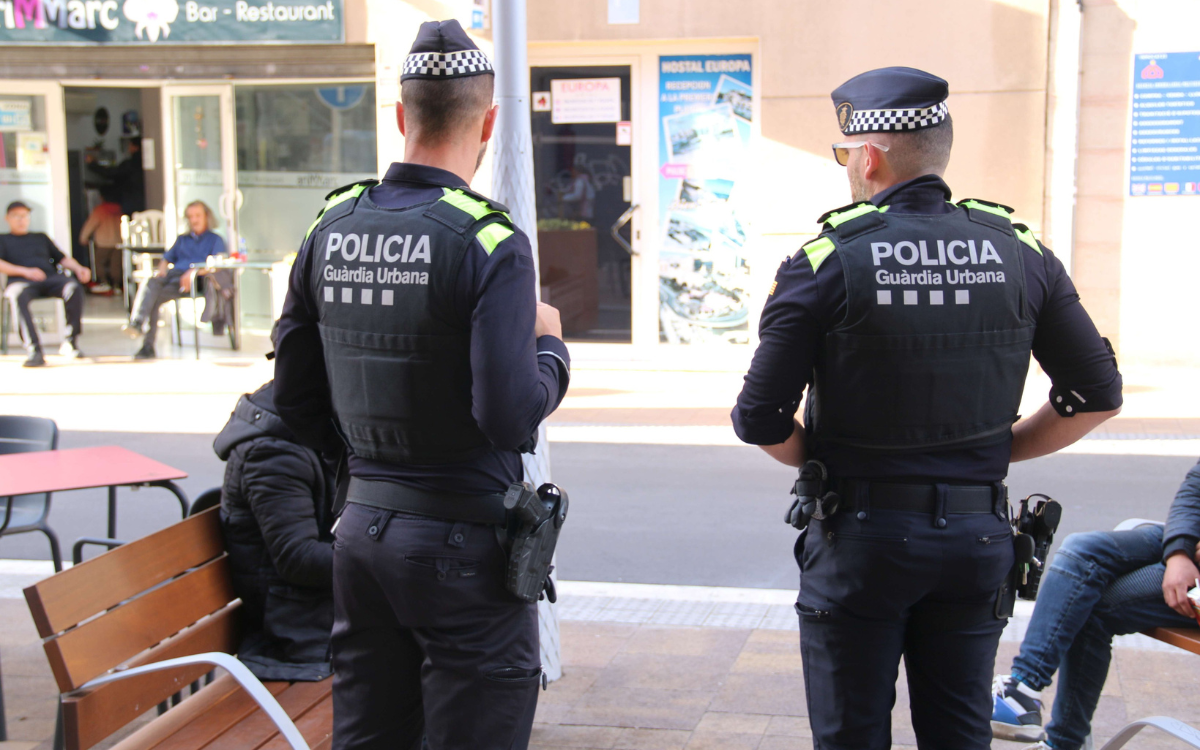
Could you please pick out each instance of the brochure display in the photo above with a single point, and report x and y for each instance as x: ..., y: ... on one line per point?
x: 706, y: 108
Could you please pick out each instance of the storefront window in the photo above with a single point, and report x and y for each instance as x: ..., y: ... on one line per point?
x: 25, y: 158
x: 198, y: 154
x: 294, y: 145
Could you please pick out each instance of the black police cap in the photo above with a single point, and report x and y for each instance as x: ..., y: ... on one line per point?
x: 891, y: 99
x: 443, y: 51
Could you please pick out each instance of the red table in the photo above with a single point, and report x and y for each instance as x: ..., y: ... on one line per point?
x: 108, y: 466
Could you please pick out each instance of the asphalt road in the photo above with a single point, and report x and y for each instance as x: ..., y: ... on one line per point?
x: 646, y: 513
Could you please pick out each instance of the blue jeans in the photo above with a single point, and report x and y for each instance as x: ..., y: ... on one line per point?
x: 1099, y: 584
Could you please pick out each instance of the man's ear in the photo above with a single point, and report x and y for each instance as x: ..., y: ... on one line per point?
x: 874, y: 158
x: 400, y: 119
x: 489, y: 123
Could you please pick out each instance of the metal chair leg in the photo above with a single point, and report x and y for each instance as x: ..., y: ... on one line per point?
x: 1173, y: 727
x: 60, y: 742
x: 55, y: 554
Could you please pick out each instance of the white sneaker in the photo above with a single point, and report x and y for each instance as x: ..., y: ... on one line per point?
x: 70, y: 351
x: 132, y: 331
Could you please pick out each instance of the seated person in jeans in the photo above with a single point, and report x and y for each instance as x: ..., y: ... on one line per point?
x: 1100, y: 584
x: 276, y: 513
x: 172, y: 283
x: 28, y: 259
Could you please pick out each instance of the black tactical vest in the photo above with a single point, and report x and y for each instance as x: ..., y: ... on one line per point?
x: 934, y: 349
x: 398, y: 363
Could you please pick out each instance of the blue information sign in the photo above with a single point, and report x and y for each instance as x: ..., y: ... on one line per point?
x: 1165, y: 148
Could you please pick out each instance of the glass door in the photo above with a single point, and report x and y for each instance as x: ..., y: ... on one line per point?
x: 582, y: 138
x: 201, y: 158
x: 33, y: 156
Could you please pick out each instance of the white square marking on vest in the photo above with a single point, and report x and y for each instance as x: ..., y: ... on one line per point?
x: 329, y: 294
x: 347, y: 295
x: 385, y: 297
x: 366, y: 296
x: 883, y: 297
x: 962, y: 296
x: 910, y: 297
x: 935, y: 297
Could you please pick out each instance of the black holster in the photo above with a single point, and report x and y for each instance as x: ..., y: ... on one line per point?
x: 535, y: 520
x: 813, y: 500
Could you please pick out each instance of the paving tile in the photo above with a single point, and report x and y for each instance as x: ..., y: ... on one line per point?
x: 652, y: 739
x: 575, y: 736
x: 780, y: 742
x: 664, y: 672
x: 719, y: 721
x: 1110, y: 716
x: 1176, y: 667
x: 551, y: 713
x: 712, y: 642
x: 770, y: 652
x: 789, y: 726
x: 775, y: 694
x: 641, y: 708
x: 591, y: 644
x: 1152, y: 698
x: 574, y: 682
x: 705, y: 740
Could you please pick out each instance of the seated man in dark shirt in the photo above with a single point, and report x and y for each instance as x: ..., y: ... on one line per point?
x: 29, y: 260
x: 173, y: 279
x: 276, y: 513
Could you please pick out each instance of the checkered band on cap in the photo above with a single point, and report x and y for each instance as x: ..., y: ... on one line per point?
x: 446, y: 64
x: 874, y: 120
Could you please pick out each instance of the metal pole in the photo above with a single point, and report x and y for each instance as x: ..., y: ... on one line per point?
x: 512, y: 185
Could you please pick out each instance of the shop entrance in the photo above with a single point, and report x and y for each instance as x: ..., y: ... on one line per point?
x: 582, y: 158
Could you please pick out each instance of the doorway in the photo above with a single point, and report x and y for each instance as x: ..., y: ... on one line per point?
x: 582, y: 157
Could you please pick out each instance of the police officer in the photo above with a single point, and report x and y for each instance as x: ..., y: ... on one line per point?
x: 411, y: 330
x: 910, y: 320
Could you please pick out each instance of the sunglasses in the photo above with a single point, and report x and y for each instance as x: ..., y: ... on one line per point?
x: 841, y: 151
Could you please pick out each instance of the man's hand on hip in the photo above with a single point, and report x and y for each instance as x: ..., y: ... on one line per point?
x: 548, y: 322
x: 35, y: 274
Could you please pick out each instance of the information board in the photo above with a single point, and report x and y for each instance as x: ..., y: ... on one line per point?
x: 580, y: 100
x: 170, y: 21
x: 1165, y: 138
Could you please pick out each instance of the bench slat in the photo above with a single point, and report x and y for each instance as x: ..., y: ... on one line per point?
x: 93, y: 715
x: 68, y: 598
x: 195, y: 721
x: 98, y: 645
x: 1184, y: 638
x: 316, y: 726
x: 258, y: 728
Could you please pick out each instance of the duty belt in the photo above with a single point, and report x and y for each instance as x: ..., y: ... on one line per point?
x: 448, y: 506
x: 920, y: 498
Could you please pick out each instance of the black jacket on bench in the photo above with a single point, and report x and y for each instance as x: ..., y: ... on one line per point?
x: 275, y: 515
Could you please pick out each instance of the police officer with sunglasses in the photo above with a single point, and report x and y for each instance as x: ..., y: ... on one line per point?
x: 907, y: 326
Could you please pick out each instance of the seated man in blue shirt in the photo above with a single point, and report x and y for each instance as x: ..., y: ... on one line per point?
x: 1099, y: 584
x: 173, y: 279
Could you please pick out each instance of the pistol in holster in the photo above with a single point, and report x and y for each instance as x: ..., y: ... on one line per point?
x: 535, y: 519
x: 1033, y: 532
x: 813, y: 497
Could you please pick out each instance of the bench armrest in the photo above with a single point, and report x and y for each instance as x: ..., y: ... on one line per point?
x: 237, y: 670
x: 1129, y: 524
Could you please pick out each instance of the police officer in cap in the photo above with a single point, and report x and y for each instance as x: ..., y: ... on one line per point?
x: 411, y: 332
x: 910, y: 321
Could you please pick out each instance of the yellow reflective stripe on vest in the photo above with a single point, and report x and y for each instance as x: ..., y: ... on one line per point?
x: 492, y: 235
x: 817, y: 251
x: 985, y: 207
x: 473, y: 206
x: 835, y: 219
x: 1025, y: 234
x: 353, y: 192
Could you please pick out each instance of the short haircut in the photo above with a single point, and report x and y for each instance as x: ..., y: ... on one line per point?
x: 435, y: 111
x: 925, y: 151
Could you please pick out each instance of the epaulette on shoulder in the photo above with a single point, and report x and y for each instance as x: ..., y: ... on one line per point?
x: 817, y: 250
x: 365, y: 184
x: 338, y: 196
x: 1023, y: 232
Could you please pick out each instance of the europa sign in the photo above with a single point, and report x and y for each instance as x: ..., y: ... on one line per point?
x: 576, y: 100
x: 170, y: 21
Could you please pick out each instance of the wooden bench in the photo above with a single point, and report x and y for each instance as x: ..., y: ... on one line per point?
x: 133, y: 627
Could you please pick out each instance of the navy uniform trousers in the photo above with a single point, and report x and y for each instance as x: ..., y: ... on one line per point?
x: 896, y: 584
x: 427, y: 641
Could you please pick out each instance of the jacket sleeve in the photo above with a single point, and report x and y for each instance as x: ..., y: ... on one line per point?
x: 1183, y: 520
x: 278, y: 479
